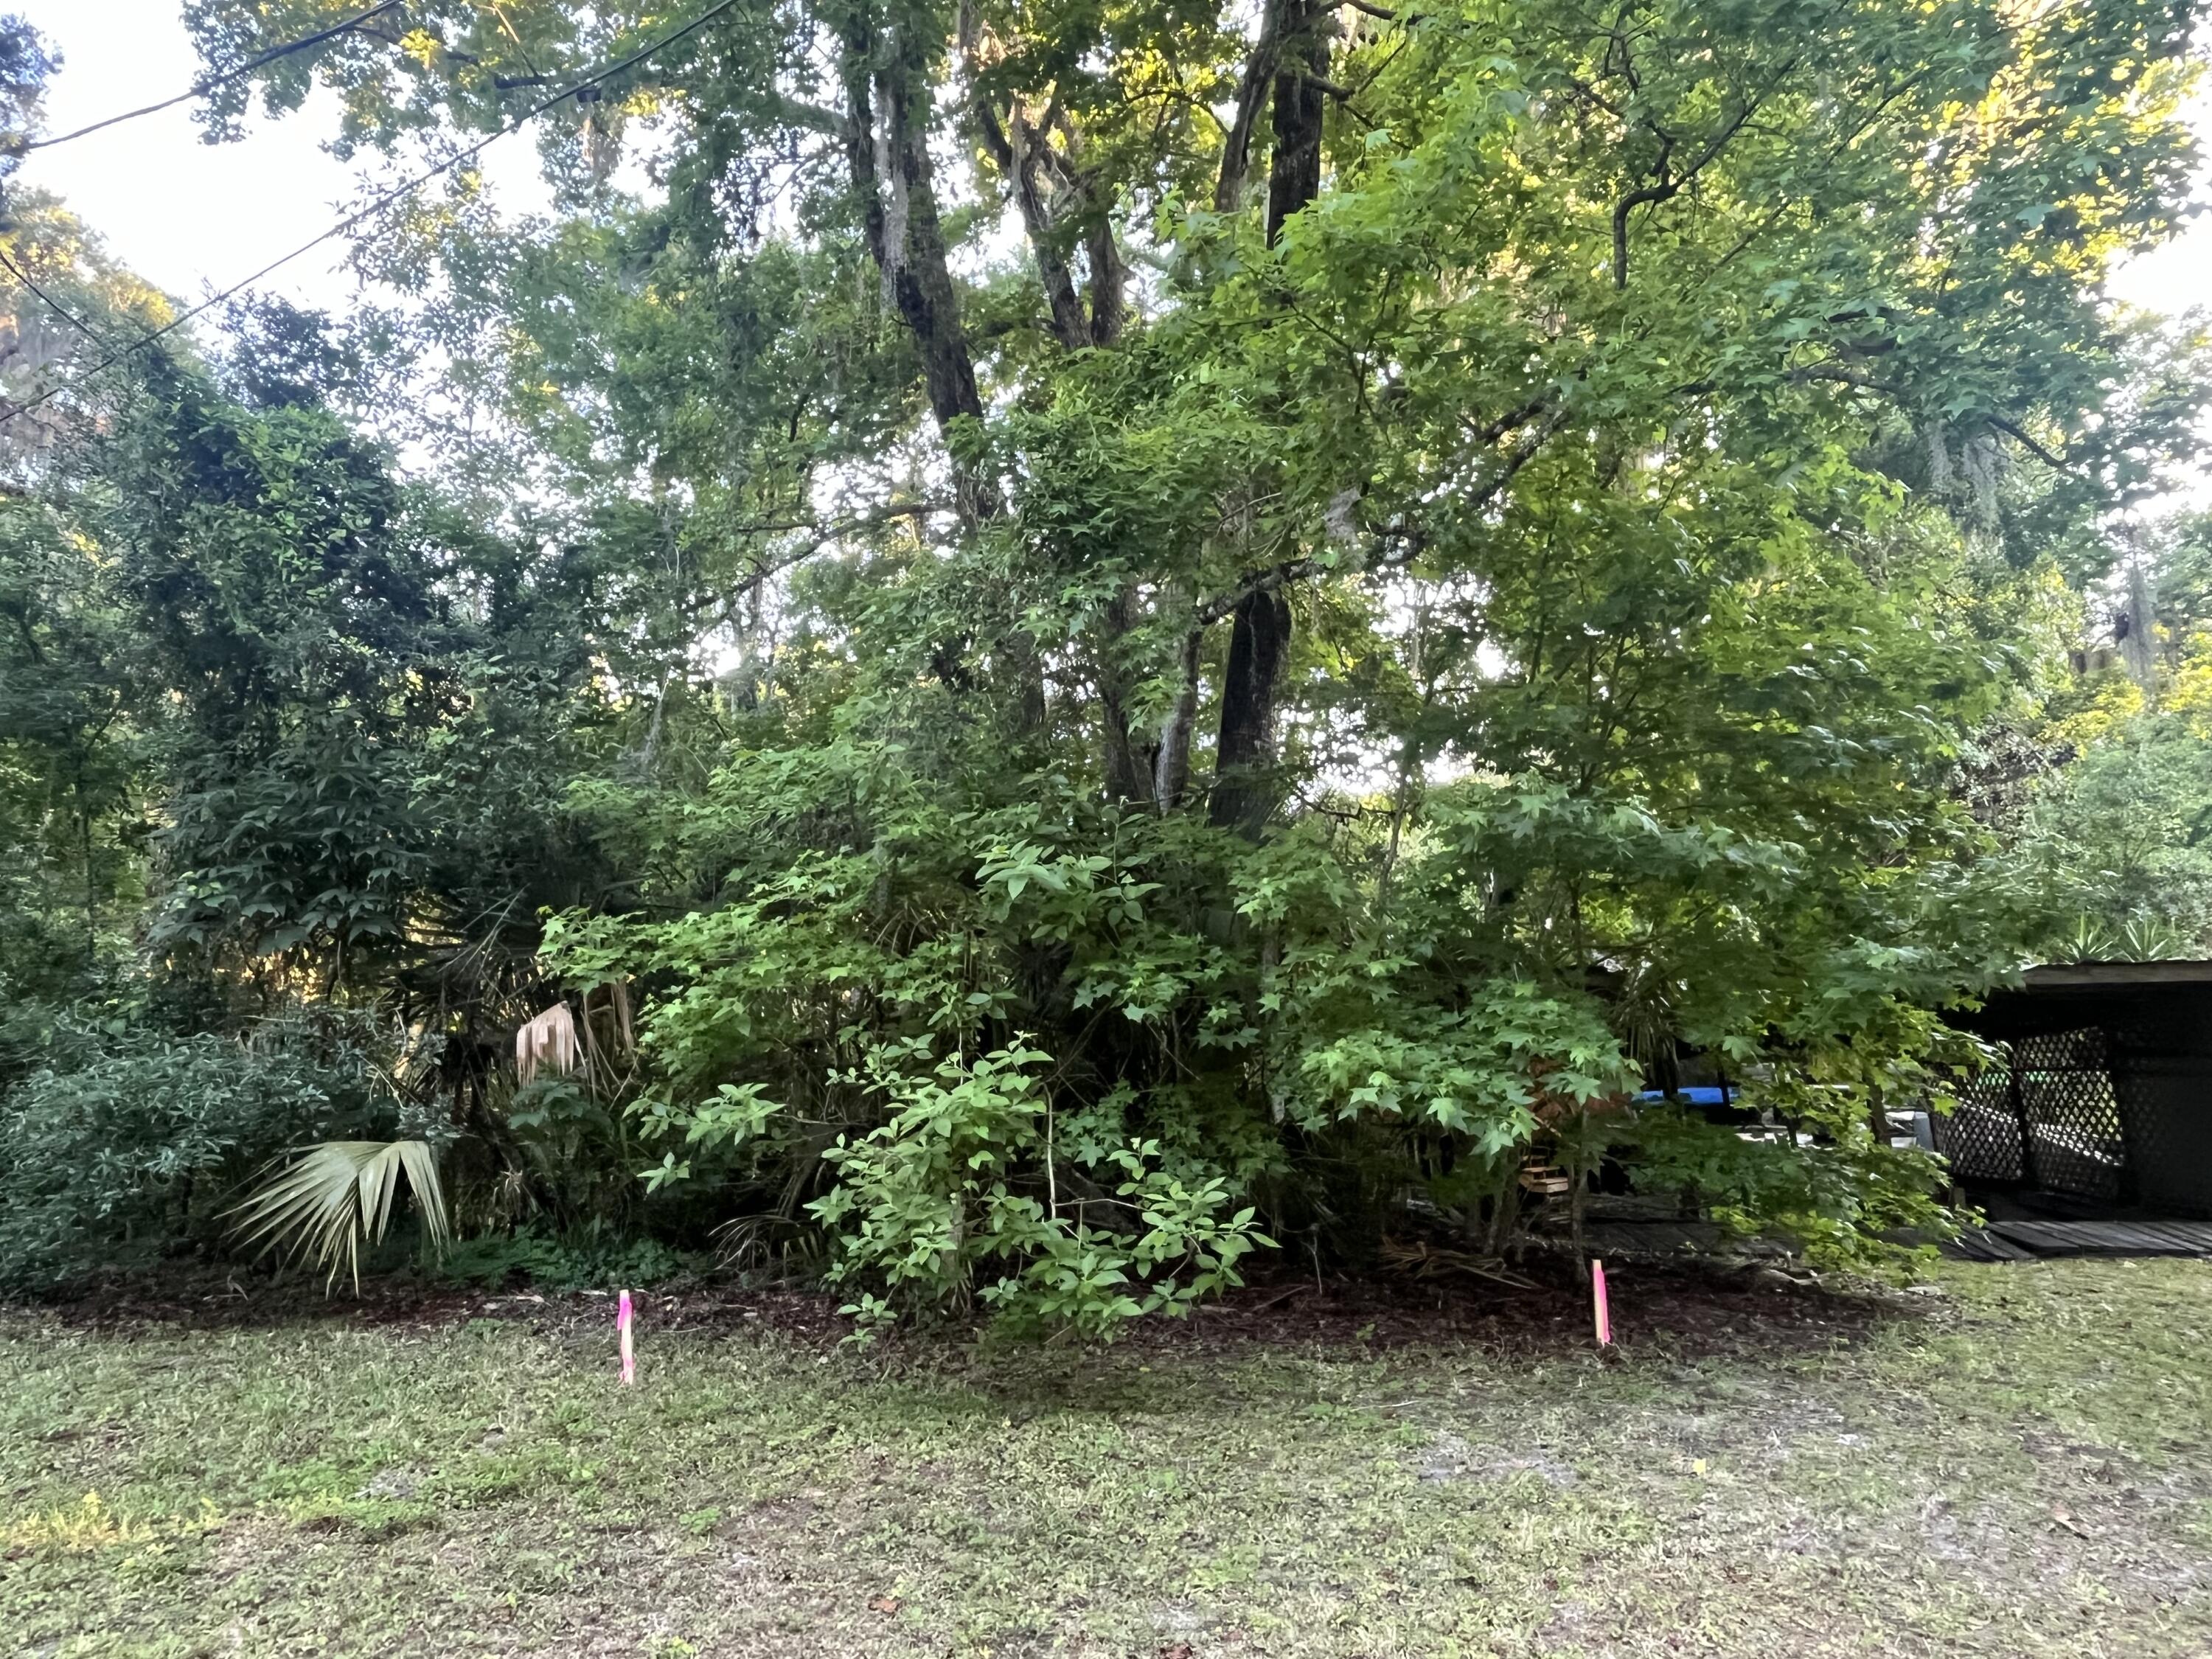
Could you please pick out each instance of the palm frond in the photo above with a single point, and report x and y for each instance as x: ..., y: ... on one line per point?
x: 2139, y: 938
x: 333, y: 1197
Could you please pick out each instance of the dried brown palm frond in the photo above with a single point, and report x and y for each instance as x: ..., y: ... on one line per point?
x: 333, y: 1197
x: 550, y: 1039
x: 1426, y: 1261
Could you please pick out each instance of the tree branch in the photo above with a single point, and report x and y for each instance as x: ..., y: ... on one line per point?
x: 824, y: 535
x: 2056, y: 462
x: 1635, y: 198
x: 1411, y: 543
x: 1251, y: 92
x: 1835, y: 375
x: 1670, y: 186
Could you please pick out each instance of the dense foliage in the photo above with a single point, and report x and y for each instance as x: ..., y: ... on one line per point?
x: 127, y: 1141
x: 1093, y: 641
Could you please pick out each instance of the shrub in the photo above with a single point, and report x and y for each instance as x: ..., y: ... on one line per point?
x: 130, y: 1143
x: 584, y: 1258
x: 1832, y: 1199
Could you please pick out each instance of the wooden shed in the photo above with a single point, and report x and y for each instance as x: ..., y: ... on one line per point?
x: 2106, y: 1094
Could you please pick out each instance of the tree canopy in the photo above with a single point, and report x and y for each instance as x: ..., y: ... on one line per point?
x: 1091, y: 638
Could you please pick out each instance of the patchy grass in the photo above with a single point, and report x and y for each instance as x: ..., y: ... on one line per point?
x: 2016, y: 1466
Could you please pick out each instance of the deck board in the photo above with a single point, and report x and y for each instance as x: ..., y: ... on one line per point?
x: 1980, y: 1244
x: 2109, y: 1237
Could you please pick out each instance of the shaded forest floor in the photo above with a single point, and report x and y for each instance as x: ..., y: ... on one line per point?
x: 2017, y: 1463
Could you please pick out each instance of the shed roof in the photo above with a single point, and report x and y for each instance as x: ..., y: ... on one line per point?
x: 2163, y: 1007
x: 2084, y: 975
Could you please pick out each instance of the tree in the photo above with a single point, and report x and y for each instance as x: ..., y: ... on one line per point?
x: 1446, y: 555
x: 2119, y: 832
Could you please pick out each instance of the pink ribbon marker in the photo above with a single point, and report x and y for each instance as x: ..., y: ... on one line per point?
x: 624, y: 1316
x: 1598, y: 1303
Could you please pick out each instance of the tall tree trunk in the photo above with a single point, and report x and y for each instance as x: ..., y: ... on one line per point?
x: 1026, y: 668
x: 1171, y: 765
x: 1022, y: 149
x: 1018, y: 147
x: 1128, y: 774
x: 1107, y: 281
x: 885, y: 74
x: 84, y: 851
x: 1128, y: 777
x: 1294, y: 164
x: 1251, y: 94
x: 1259, y: 639
x: 1259, y: 630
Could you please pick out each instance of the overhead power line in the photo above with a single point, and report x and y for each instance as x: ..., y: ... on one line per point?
x: 52, y: 303
x: 206, y: 84
x: 376, y: 205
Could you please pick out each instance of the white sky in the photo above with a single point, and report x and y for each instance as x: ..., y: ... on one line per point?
x: 189, y: 217
x: 192, y: 217
x: 2178, y: 277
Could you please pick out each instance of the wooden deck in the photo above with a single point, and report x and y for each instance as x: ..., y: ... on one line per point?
x: 2024, y: 1241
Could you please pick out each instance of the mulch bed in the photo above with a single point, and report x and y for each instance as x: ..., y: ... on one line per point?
x: 1689, y: 1308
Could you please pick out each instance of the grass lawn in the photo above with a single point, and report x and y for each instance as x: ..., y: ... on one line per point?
x: 2018, y: 1465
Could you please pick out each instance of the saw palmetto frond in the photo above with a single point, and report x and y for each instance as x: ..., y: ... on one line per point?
x: 332, y: 1197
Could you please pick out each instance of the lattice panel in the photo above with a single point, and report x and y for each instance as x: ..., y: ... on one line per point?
x: 2050, y: 1119
x: 1981, y: 1134
x: 2065, y: 1086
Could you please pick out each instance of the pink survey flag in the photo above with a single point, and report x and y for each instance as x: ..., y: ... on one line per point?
x: 625, y: 1317
x: 1598, y: 1303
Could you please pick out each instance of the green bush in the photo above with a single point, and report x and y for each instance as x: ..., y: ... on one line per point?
x: 984, y: 1066
x: 1832, y: 1198
x: 129, y: 1142
x: 924, y: 1204
x: 583, y: 1258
